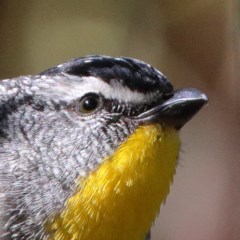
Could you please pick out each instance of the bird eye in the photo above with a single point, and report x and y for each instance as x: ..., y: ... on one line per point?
x: 89, y: 103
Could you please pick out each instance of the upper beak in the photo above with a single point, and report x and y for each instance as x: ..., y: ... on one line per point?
x: 177, y: 110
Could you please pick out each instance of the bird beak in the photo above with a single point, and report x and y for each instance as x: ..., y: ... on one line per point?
x: 177, y: 110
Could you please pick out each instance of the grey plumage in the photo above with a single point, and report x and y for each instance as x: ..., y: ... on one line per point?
x: 46, y: 144
x: 43, y: 152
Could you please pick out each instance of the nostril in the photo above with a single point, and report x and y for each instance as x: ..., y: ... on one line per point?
x: 167, y: 95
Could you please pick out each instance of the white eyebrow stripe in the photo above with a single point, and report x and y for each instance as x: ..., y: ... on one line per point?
x: 75, y: 87
x: 114, y: 90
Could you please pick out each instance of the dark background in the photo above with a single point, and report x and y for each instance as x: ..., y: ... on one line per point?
x: 196, y: 44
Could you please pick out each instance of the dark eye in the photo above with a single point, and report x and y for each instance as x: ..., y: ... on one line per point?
x: 89, y: 103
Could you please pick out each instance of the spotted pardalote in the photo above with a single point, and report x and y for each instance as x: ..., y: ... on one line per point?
x: 88, y: 149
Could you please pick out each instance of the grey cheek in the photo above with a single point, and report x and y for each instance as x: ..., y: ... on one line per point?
x: 44, y: 155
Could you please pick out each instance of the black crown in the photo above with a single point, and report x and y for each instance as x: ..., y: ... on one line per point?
x: 135, y: 74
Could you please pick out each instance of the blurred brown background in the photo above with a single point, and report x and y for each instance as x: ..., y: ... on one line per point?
x: 196, y: 44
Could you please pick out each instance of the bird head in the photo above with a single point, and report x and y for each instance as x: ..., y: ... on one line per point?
x: 60, y: 127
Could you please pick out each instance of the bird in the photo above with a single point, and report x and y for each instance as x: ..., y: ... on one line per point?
x: 89, y: 149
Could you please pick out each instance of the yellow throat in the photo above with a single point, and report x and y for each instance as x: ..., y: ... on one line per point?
x: 120, y: 200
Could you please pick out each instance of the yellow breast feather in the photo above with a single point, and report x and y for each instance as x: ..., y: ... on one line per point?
x: 120, y: 200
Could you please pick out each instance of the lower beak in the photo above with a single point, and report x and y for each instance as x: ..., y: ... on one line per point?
x: 177, y: 110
